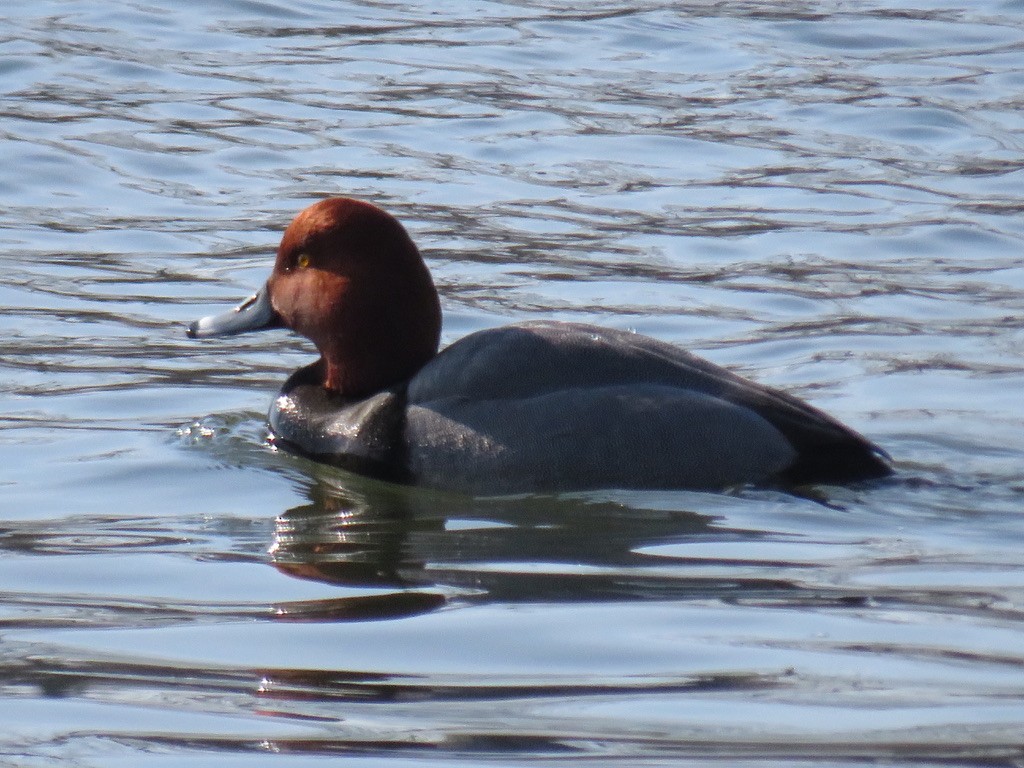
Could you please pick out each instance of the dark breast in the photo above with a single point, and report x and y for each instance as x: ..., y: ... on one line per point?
x: 364, y: 436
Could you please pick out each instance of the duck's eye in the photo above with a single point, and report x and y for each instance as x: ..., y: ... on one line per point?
x: 302, y: 261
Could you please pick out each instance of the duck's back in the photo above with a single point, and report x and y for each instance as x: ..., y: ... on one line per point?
x: 549, y: 406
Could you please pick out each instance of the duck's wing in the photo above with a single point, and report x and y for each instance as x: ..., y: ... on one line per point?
x: 625, y: 436
x: 528, y: 360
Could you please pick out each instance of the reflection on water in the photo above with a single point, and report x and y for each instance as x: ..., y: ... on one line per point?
x: 404, y: 537
x: 824, y: 198
x: 601, y: 624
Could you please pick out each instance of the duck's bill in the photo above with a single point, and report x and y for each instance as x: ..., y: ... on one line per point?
x: 253, y: 314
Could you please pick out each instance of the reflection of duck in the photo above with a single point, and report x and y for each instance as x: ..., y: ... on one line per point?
x: 528, y: 407
x: 343, y: 537
x: 357, y: 532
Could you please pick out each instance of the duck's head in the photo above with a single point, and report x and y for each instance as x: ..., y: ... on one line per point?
x: 348, y: 278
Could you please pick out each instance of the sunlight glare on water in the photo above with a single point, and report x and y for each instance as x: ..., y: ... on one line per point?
x: 825, y: 197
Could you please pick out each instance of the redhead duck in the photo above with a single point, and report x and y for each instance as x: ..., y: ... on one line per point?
x: 535, y: 406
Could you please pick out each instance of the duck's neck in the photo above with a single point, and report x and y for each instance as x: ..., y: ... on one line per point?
x: 319, y: 375
x: 353, y: 380
x: 360, y: 366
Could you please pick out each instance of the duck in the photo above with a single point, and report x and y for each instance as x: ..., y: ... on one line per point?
x: 533, y: 407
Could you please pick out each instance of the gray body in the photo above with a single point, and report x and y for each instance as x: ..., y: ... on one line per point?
x: 561, y: 406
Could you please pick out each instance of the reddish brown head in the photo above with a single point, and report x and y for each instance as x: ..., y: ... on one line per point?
x: 349, y: 278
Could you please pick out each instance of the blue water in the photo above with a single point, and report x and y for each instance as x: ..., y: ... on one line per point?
x: 824, y: 197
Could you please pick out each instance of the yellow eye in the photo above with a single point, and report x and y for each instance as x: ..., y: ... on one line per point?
x: 302, y: 261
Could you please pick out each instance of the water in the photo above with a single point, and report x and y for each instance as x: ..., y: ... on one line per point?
x: 826, y: 197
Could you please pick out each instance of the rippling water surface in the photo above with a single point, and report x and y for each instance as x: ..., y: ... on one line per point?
x: 824, y: 196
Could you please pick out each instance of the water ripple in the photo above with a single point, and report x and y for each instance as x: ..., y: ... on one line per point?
x: 824, y: 196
